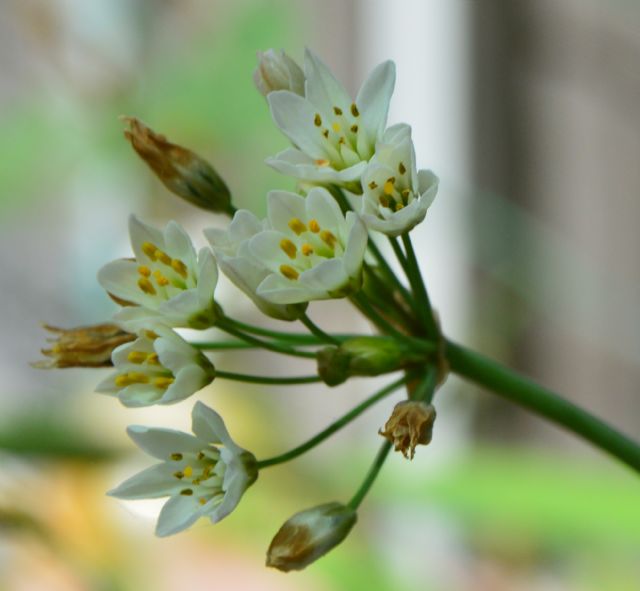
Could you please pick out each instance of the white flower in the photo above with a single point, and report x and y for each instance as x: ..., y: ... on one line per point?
x: 167, y: 282
x: 334, y: 137
x: 159, y: 367
x: 395, y: 195
x: 277, y: 71
x: 312, y: 250
x: 231, y: 248
x: 200, y: 478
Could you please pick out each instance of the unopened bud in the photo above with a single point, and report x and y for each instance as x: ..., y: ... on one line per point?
x: 184, y: 173
x: 277, y: 71
x: 84, y: 346
x: 410, y: 424
x: 310, y: 534
x: 363, y: 356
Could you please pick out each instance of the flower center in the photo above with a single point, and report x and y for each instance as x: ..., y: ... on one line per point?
x: 164, y: 275
x: 395, y: 193
x: 199, y: 474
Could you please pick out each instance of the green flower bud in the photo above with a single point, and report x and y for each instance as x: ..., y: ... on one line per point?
x: 184, y: 173
x: 364, y: 356
x: 310, y: 534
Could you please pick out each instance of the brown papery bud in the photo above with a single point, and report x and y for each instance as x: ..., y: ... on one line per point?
x: 184, y: 173
x: 410, y: 424
x: 83, y: 346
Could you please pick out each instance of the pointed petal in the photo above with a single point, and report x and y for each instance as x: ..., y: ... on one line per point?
x: 282, y: 206
x: 161, y: 443
x: 141, y: 233
x: 187, y: 382
x: 208, y: 425
x: 266, y: 248
x: 152, y: 483
x: 322, y: 89
x: 374, y: 98
x: 177, y: 514
x: 356, y: 245
x: 324, y: 208
x: 278, y: 290
x: 120, y: 278
x: 326, y: 277
x: 295, y: 163
x: 178, y: 243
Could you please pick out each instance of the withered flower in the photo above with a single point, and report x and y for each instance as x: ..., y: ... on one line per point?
x: 83, y: 346
x: 410, y: 424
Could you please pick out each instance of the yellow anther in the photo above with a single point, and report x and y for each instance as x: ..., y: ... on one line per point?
x: 336, y: 127
x: 180, y: 268
x: 144, y: 270
x: 399, y: 206
x: 152, y: 336
x: 176, y: 457
x: 297, y: 226
x: 307, y: 249
x: 354, y: 129
x: 206, y: 472
x: 163, y: 382
x: 383, y: 201
x: 160, y: 278
x: 187, y: 492
x: 289, y: 248
x: 317, y: 120
x: 373, y: 185
x: 188, y: 471
x: 406, y: 193
x: 202, y: 501
x: 133, y: 377
x: 388, y: 188
x: 341, y: 140
x: 328, y: 238
x: 150, y: 250
x: 401, y: 168
x: 337, y: 111
x: 314, y: 226
x: 145, y: 285
x: 137, y: 356
x: 152, y: 359
x: 163, y: 257
x: 322, y: 162
x: 354, y: 110
x: 289, y: 272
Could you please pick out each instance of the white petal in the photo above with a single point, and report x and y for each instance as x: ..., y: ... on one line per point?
x: 294, y: 116
x: 374, y: 98
x: 108, y: 385
x: 177, y: 514
x: 275, y: 288
x: 282, y: 206
x: 156, y: 481
x: 428, y: 185
x: 266, y: 248
x: 321, y: 88
x: 207, y: 276
x: 234, y: 486
x: 294, y: 163
x: 178, y: 243
x: 356, y: 245
x: 139, y: 395
x: 208, y: 425
x: 323, y: 207
x: 161, y: 443
x: 187, y: 382
x: 136, y: 318
x: 121, y: 279
x: 326, y: 277
x: 141, y: 233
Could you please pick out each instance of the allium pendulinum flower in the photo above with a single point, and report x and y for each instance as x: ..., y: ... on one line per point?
x: 167, y: 282
x: 334, y: 136
x: 277, y: 71
x: 201, y: 477
x: 231, y: 247
x: 159, y: 367
x: 396, y: 195
x: 312, y: 250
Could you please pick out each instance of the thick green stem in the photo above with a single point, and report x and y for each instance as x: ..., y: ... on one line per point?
x: 271, y: 380
x: 331, y: 429
x: 516, y: 388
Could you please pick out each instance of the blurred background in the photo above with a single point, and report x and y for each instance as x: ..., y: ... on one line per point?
x: 529, y: 111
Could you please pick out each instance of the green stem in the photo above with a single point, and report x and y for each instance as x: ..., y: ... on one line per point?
x: 285, y: 349
x: 391, y: 276
x: 335, y: 426
x: 294, y: 337
x: 363, y: 304
x: 425, y: 310
x: 516, y: 388
x: 222, y: 345
x: 317, y: 331
x: 286, y: 381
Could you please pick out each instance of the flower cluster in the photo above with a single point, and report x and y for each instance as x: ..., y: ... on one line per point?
x: 356, y: 177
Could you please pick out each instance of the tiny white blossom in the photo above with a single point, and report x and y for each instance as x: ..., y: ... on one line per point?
x: 204, y: 475
x: 311, y: 249
x: 277, y: 71
x: 159, y: 367
x: 167, y: 281
x: 334, y: 136
x: 396, y: 195
x: 231, y: 247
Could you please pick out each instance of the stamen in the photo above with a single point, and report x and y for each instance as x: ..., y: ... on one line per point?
x: 354, y: 110
x: 150, y: 250
x: 186, y: 492
x: 307, y: 249
x: 406, y: 193
x: 145, y: 285
x: 399, y: 206
x: 317, y: 120
x: 188, y: 471
x: 163, y: 382
x: 137, y: 357
x: 289, y: 248
x: 322, y: 162
x: 336, y: 127
x: 144, y: 270
x: 176, y: 457
x: 133, y: 377
x: 383, y: 201
x: 152, y: 359
x: 152, y: 336
x: 388, y: 187
x: 179, y: 267
x: 179, y: 475
x: 200, y: 455
x: 328, y: 238
x: 163, y: 257
x: 354, y: 129
x: 289, y: 272
x: 314, y: 226
x: 341, y: 140
x: 401, y: 168
x: 160, y: 278
x: 297, y: 226
x: 202, y: 501
x: 373, y: 185
x: 325, y: 133
x: 337, y: 111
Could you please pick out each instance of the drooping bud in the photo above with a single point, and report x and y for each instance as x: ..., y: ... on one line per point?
x: 363, y: 356
x: 184, y: 173
x: 310, y: 534
x: 410, y: 424
x: 277, y: 71
x: 84, y: 346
